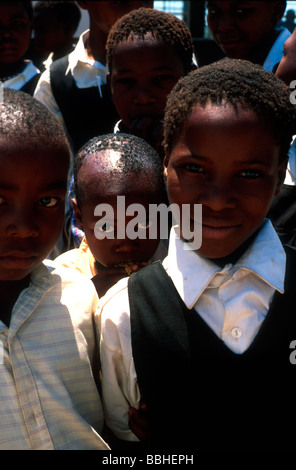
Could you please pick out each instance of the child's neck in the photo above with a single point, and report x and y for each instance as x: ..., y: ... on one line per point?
x: 10, y: 70
x: 9, y: 292
x: 235, y: 255
x: 96, y: 45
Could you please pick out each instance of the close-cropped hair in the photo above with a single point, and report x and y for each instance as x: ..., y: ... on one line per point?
x: 67, y: 12
x: 136, y: 158
x: 163, y: 26
x: 25, y: 121
x: 233, y: 82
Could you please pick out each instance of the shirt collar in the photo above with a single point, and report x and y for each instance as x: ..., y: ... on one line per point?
x: 192, y: 273
x: 86, y: 72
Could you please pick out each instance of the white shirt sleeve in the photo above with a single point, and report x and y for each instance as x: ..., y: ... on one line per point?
x: 44, y: 94
x: 119, y: 381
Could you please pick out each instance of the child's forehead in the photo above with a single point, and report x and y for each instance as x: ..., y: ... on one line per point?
x: 134, y: 40
x: 32, y: 156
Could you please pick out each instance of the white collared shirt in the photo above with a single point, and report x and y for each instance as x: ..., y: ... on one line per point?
x: 49, y: 399
x: 233, y: 301
x: 85, y: 71
x: 16, y: 83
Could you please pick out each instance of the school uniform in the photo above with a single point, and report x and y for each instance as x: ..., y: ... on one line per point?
x: 199, y: 344
x: 75, y: 89
x: 49, y: 397
x: 26, y: 80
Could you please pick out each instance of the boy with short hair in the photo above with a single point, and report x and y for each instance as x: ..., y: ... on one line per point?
x: 148, y: 51
x: 76, y: 85
x: 210, y: 331
x: 108, y: 167
x: 15, y: 37
x: 49, y: 398
x: 55, y: 24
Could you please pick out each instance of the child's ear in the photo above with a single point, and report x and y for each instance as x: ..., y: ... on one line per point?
x: 165, y: 168
x: 77, y: 212
x: 281, y: 175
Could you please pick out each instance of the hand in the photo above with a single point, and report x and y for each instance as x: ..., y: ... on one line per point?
x: 139, y: 423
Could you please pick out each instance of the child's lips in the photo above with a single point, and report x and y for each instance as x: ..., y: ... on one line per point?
x: 218, y: 231
x: 18, y: 259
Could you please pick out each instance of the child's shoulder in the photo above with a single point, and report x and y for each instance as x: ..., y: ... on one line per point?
x: 74, y: 288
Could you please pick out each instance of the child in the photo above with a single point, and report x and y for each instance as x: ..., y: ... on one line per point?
x: 106, y: 167
x: 203, y: 339
x: 15, y: 36
x: 76, y: 86
x: 147, y: 52
x: 49, y: 399
x: 248, y: 30
x: 55, y: 24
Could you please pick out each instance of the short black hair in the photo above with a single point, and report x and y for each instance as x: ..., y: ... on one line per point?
x: 163, y: 26
x: 137, y: 158
x: 67, y: 12
x: 235, y: 82
x: 25, y: 121
x: 27, y: 4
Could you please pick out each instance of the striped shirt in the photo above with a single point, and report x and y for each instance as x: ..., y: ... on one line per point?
x: 48, y: 396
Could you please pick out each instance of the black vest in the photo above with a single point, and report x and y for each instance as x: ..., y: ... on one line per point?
x: 283, y: 214
x: 201, y: 395
x: 30, y: 86
x: 85, y: 112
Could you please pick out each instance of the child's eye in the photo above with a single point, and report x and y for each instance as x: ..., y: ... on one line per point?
x: 49, y: 201
x: 242, y: 12
x: 105, y: 228
x: 124, y: 81
x: 252, y: 174
x: 144, y: 224
x: 164, y: 78
x: 194, y: 168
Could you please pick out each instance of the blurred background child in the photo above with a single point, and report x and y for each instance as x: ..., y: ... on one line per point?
x: 16, y: 71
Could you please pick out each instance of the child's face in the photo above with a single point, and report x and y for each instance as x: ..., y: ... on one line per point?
x: 32, y: 197
x: 110, y: 252
x: 228, y: 161
x: 103, y: 14
x: 287, y: 66
x: 15, y: 32
x: 240, y: 27
x: 143, y: 74
x: 50, y: 33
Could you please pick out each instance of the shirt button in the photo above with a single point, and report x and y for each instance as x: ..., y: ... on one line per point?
x: 236, y: 332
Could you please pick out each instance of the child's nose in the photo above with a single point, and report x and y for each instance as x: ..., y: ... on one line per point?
x: 22, y: 225
x: 218, y: 196
x: 143, y: 96
x: 225, y: 24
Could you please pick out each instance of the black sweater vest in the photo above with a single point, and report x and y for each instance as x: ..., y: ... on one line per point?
x: 85, y: 112
x: 201, y: 395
